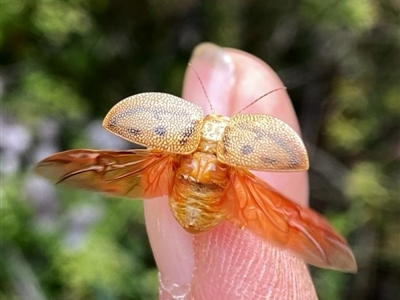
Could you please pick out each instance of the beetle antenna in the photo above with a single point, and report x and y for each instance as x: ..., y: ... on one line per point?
x: 204, y: 89
x: 259, y: 98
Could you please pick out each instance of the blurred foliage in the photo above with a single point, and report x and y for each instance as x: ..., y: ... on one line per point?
x: 64, y: 63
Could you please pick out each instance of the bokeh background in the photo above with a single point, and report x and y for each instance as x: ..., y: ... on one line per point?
x: 65, y: 63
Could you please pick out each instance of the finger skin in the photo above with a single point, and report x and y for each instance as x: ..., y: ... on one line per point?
x: 227, y: 262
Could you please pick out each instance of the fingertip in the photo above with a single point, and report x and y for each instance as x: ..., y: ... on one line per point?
x: 232, y: 79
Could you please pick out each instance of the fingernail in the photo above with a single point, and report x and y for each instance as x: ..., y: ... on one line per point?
x: 168, y: 289
x: 216, y: 70
x: 213, y: 55
x: 172, y: 248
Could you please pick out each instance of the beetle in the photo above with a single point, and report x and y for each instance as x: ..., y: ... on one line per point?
x: 202, y: 163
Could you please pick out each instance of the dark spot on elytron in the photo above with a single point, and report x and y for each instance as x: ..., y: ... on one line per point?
x: 294, y: 161
x: 259, y: 134
x: 160, y: 130
x: 134, y: 131
x: 268, y: 160
x: 159, y: 113
x: 247, y: 149
x: 226, y: 141
x: 186, y: 134
x: 113, y: 122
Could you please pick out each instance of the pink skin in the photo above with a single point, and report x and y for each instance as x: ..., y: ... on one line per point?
x: 226, y: 262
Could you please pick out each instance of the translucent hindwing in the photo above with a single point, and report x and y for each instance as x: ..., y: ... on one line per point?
x: 158, y: 121
x: 261, y: 142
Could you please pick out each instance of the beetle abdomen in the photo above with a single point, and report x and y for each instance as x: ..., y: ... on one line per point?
x: 197, y: 206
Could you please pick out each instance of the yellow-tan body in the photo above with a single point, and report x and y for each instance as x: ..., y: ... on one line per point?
x: 196, y: 200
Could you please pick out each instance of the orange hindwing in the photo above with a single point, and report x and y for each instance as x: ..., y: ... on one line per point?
x: 133, y: 173
x: 256, y: 206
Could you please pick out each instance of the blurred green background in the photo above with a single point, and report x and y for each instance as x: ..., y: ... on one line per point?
x: 65, y: 63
